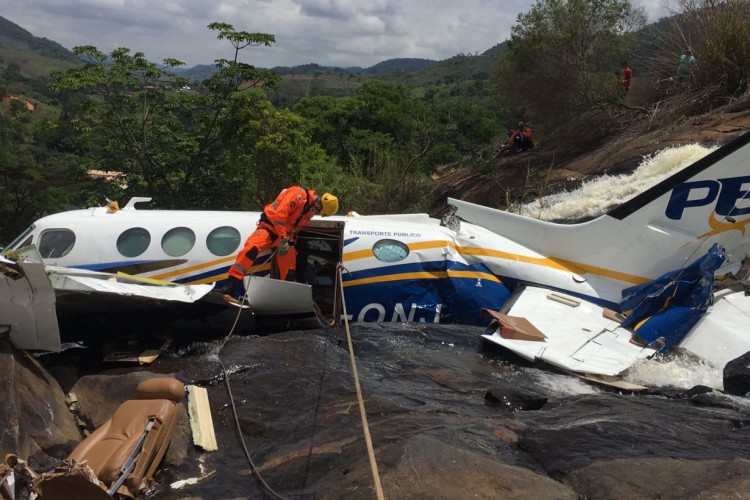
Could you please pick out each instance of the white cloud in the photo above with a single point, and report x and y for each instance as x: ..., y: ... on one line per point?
x: 327, y: 32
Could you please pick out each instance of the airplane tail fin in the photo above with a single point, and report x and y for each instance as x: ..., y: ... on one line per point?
x: 708, y: 200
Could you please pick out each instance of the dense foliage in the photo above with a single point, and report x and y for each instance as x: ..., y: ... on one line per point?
x: 34, y: 179
x: 562, y: 56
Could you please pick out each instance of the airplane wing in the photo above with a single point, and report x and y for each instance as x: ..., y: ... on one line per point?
x: 577, y: 336
x: 76, y: 280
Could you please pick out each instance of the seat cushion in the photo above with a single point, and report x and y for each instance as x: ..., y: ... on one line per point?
x: 161, y: 388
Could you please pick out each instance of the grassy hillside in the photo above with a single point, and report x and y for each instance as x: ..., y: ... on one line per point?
x: 13, y: 37
x: 398, y: 66
x: 26, y: 62
x: 31, y: 64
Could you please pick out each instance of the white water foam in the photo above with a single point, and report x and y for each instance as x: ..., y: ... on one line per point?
x: 678, y: 370
x: 597, y: 196
x: 562, y: 385
x: 547, y: 382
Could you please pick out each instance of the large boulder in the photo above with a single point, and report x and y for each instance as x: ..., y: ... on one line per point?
x: 737, y: 375
x: 661, y: 477
x: 426, y: 467
x: 36, y: 423
x: 512, y: 399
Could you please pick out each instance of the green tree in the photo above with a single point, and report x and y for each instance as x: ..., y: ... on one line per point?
x: 329, y: 121
x: 34, y: 181
x: 355, y: 130
x: 561, y: 56
x: 719, y: 34
x: 265, y: 149
x: 133, y: 118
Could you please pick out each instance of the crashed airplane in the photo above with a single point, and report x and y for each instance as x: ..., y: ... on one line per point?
x: 411, y: 268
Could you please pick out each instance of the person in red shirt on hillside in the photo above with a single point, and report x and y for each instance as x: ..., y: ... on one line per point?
x: 626, y: 74
x: 279, y: 224
x: 520, y: 139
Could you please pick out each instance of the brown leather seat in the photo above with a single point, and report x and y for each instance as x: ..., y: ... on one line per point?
x: 108, y: 449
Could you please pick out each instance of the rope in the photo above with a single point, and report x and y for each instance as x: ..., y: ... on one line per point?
x: 253, y: 467
x: 360, y: 400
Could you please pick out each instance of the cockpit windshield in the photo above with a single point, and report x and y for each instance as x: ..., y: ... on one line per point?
x: 22, y: 240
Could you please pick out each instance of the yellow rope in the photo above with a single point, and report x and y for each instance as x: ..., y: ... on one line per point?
x: 365, y: 427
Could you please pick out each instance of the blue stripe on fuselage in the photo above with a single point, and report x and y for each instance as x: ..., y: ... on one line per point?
x: 459, y: 299
x: 110, y: 265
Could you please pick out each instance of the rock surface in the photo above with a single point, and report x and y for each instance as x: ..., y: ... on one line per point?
x: 435, y: 431
x: 737, y: 375
x: 664, y: 478
x: 425, y: 467
x: 35, y: 422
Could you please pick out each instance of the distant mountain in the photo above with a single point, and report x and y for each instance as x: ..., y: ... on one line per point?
x: 413, y: 71
x: 497, y: 50
x: 399, y: 64
x: 200, y: 72
x: 456, y: 69
x: 13, y: 37
x: 387, y: 66
x: 311, y: 69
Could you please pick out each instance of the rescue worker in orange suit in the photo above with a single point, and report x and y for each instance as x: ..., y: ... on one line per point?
x: 278, y: 227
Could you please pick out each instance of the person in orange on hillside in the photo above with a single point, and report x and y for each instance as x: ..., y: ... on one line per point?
x: 520, y: 140
x: 278, y: 227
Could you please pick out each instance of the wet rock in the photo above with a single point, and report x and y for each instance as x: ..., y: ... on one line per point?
x: 422, y: 466
x: 100, y: 395
x: 514, y: 424
x: 514, y: 399
x: 737, y: 375
x: 505, y: 435
x: 460, y: 382
x: 664, y: 478
x: 678, y: 393
x: 36, y: 424
x: 434, y: 432
x: 594, y: 428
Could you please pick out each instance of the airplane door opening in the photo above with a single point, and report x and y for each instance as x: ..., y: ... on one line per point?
x: 319, y: 251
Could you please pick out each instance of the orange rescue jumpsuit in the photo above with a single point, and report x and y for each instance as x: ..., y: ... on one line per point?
x: 283, y: 218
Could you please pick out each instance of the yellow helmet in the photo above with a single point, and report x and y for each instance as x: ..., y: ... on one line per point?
x: 330, y: 204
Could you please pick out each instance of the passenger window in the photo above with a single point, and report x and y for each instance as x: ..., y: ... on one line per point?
x: 133, y: 242
x: 390, y: 250
x: 178, y: 241
x: 223, y: 241
x: 56, y: 243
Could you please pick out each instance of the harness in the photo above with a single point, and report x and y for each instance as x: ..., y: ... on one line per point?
x: 265, y: 222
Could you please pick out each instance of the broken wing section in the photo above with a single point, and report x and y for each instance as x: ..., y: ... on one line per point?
x: 573, y: 334
x: 27, y: 306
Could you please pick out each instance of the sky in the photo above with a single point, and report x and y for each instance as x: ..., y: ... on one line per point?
x: 327, y: 32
